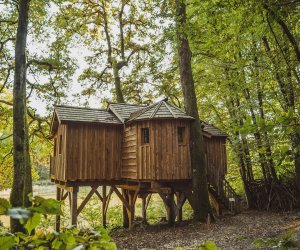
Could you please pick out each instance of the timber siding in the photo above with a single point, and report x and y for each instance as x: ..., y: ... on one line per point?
x: 215, y: 149
x: 129, y: 152
x: 108, y: 144
x: 93, y: 152
x: 163, y: 158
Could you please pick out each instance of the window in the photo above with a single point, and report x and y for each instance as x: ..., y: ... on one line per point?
x: 180, y: 134
x: 145, y: 135
x: 55, y: 146
x: 60, y: 144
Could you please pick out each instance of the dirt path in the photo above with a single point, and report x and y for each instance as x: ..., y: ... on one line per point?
x: 229, y: 232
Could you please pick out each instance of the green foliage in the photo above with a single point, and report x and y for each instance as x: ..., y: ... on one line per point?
x: 208, y: 245
x: 4, y: 206
x: 285, y: 241
x: 69, y: 238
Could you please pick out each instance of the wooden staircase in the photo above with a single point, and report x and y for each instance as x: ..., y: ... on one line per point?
x: 223, y: 197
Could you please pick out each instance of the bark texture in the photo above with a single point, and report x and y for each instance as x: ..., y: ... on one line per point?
x: 200, y: 198
x: 19, y: 114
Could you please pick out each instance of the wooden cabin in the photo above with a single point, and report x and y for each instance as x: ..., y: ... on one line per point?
x: 136, y: 148
x: 87, y: 144
x: 133, y: 142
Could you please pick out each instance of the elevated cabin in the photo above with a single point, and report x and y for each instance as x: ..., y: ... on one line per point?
x: 215, y: 155
x: 131, y: 143
x: 87, y: 144
x: 137, y: 149
x: 156, y: 142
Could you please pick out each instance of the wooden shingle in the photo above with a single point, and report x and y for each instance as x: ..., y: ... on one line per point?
x: 77, y: 114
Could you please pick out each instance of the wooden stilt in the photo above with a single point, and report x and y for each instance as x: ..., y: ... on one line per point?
x: 125, y: 213
x: 169, y: 202
x: 74, y: 206
x: 171, y: 208
x: 144, y: 207
x: 57, y: 221
x: 70, y: 200
x: 104, y: 197
x: 180, y: 199
x: 131, y: 211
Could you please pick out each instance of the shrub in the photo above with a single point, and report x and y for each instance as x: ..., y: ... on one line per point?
x: 68, y: 238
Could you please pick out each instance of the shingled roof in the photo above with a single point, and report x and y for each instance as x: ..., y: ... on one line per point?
x: 159, y: 110
x: 68, y: 113
x: 120, y: 113
x: 124, y: 110
x: 210, y: 129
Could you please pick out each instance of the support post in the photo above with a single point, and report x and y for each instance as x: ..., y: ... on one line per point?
x: 125, y: 213
x: 57, y: 221
x: 144, y: 207
x: 132, y: 199
x: 179, y: 216
x: 104, y: 206
x: 171, y: 208
x: 74, y: 193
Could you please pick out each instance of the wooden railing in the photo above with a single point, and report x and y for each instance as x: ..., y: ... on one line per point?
x: 232, y: 199
x: 224, y: 195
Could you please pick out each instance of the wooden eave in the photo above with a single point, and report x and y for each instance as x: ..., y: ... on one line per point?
x: 54, y: 124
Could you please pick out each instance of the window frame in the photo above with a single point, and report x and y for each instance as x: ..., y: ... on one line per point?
x: 181, y: 135
x: 145, y: 134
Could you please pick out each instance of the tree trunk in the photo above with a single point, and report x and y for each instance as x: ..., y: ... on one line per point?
x: 295, y: 144
x: 19, y: 114
x: 199, y: 177
x: 28, y: 175
x: 117, y: 81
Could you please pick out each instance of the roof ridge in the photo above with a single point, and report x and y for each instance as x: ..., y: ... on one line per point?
x: 167, y: 105
x: 156, y: 109
x: 141, y: 111
x: 124, y: 103
x: 76, y: 107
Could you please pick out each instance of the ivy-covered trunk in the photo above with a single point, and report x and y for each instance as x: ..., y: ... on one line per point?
x: 19, y: 114
x: 200, y: 200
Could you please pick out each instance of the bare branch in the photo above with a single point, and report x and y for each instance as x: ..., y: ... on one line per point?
x: 5, y: 41
x: 6, y: 102
x: 42, y: 63
x: 6, y: 79
x: 5, y: 137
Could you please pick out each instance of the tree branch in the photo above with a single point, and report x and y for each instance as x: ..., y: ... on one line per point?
x: 286, y: 30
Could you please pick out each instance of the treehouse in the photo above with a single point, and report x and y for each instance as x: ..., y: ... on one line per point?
x: 137, y: 149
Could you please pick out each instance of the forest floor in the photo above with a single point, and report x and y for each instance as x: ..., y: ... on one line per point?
x: 229, y: 232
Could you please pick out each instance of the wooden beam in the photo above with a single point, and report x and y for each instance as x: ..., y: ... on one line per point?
x: 171, y: 207
x: 87, y: 198
x: 180, y: 197
x: 148, y: 200
x: 64, y: 196
x: 57, y: 220
x: 99, y: 195
x: 108, y: 198
x: 124, y: 201
x: 104, y: 200
x: 74, y: 194
x: 144, y: 208
x: 125, y: 211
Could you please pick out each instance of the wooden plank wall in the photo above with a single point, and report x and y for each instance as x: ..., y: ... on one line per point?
x: 91, y: 152
x: 216, y: 159
x: 163, y: 158
x: 129, y: 152
x: 58, y: 160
